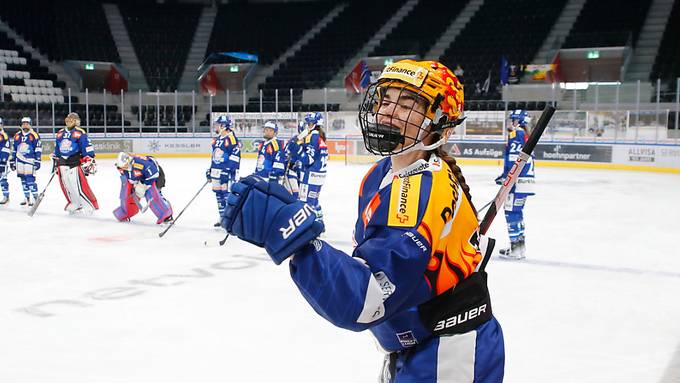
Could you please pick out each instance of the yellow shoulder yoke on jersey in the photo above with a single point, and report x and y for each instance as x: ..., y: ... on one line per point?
x: 138, y: 166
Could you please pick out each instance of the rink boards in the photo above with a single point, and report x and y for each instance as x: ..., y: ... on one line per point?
x: 620, y: 156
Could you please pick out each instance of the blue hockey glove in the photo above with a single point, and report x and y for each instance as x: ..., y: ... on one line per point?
x: 292, y: 149
x: 500, y: 179
x: 207, y: 175
x: 36, y: 164
x: 267, y: 215
x: 13, y: 166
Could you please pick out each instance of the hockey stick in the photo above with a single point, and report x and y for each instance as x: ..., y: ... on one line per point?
x: 484, y: 207
x: 216, y: 244
x: 513, y: 174
x: 40, y: 197
x: 162, y: 233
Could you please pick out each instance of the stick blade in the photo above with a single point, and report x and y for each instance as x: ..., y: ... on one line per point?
x: 35, y: 206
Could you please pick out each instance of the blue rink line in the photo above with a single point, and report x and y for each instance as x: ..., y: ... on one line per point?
x: 565, y: 265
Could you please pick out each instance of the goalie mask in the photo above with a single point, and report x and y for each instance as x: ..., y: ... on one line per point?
x: 72, y: 120
x: 411, y: 104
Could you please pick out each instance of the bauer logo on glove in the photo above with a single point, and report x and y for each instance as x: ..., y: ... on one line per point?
x: 265, y: 214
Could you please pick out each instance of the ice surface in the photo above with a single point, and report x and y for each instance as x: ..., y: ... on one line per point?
x: 93, y: 300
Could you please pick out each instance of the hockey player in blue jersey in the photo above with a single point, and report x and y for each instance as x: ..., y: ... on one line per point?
x: 514, y: 205
x: 225, y: 161
x: 26, y: 158
x: 141, y: 177
x: 270, y: 155
x: 415, y: 278
x: 74, y: 161
x: 311, y: 152
x: 5, y: 151
x: 293, y: 164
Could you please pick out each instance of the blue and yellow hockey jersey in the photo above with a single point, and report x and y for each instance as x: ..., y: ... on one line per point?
x: 415, y: 238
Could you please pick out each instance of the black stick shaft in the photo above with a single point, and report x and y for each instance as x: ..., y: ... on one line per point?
x: 40, y: 197
x: 162, y: 233
x: 513, y: 174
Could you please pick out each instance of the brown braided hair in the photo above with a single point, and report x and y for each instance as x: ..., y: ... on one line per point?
x: 457, y: 172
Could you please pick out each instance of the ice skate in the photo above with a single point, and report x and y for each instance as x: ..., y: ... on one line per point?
x: 516, y: 251
x: 5, y: 200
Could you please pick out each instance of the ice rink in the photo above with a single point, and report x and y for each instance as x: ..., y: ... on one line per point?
x: 88, y: 299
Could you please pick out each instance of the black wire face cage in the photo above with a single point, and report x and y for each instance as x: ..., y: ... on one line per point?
x: 386, y: 120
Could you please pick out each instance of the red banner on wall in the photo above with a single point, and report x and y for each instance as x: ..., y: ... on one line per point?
x: 115, y: 82
x: 210, y: 83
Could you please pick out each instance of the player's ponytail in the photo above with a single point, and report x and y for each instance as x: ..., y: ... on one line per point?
x: 322, y: 133
x: 457, y: 172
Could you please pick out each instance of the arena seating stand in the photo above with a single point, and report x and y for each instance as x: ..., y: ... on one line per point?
x: 266, y: 30
x: 667, y: 62
x: 25, y: 83
x: 603, y: 23
x: 326, y: 53
x: 161, y: 35
x: 519, y: 28
x: 64, y: 29
x: 420, y: 29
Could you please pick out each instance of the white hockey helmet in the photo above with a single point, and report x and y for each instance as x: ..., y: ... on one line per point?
x: 123, y: 160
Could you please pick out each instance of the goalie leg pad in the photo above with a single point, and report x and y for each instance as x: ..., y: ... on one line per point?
x: 85, y: 192
x: 61, y: 175
x: 128, y: 208
x: 76, y: 189
x: 160, y: 207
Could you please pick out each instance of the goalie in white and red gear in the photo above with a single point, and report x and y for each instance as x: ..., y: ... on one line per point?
x: 74, y: 161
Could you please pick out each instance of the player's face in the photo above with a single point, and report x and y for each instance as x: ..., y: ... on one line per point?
x: 268, y: 133
x: 70, y: 122
x: 404, y: 110
x: 26, y: 126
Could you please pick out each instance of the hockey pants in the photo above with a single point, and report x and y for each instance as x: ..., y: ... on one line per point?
x: 476, y: 356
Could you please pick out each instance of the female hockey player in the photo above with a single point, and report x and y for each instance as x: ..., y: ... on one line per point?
x: 514, y: 205
x: 73, y: 161
x: 293, y: 164
x: 225, y: 161
x: 270, y: 156
x: 416, y: 238
x: 311, y: 154
x: 26, y: 159
x: 141, y: 176
x: 5, y: 151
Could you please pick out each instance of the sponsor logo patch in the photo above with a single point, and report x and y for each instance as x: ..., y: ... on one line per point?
x: 409, y: 73
x: 404, y: 200
x: 407, y: 339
